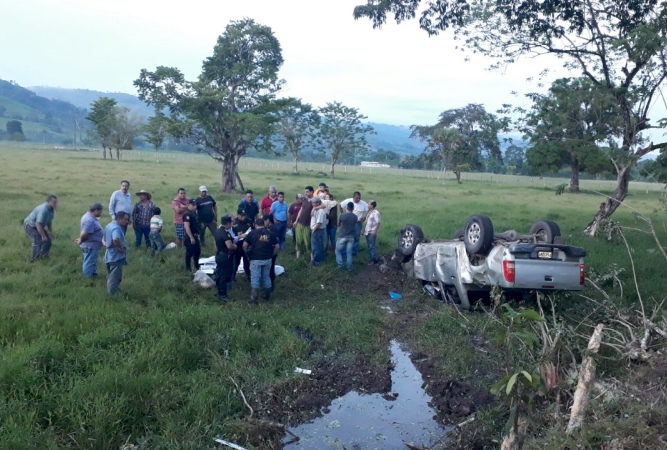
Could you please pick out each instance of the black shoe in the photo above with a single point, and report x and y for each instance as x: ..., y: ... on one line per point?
x: 223, y: 298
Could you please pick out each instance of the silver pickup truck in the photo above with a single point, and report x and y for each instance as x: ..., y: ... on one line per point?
x: 476, y: 259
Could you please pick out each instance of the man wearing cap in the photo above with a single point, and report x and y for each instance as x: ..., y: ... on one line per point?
x: 224, y: 257
x: 38, y: 227
x: 303, y: 240
x: 207, y: 213
x: 318, y: 230
x: 260, y: 245
x: 115, y: 256
x: 90, y: 239
x: 250, y: 204
x: 360, y: 210
x: 192, y: 246
x: 141, y: 218
x: 267, y: 201
x: 121, y: 200
x: 292, y: 214
x: 180, y: 206
x: 241, y: 228
x: 322, y: 189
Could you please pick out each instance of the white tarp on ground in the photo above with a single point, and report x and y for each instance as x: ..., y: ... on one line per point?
x: 207, y: 265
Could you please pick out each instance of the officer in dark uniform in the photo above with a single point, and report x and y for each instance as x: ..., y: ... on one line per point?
x: 224, y: 258
x: 191, y: 239
x: 242, y: 226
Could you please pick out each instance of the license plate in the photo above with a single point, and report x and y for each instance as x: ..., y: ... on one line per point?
x: 544, y: 255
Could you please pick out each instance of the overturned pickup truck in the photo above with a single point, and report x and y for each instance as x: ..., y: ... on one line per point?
x: 476, y: 259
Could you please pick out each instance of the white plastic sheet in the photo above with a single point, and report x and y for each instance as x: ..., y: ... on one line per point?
x: 207, y: 265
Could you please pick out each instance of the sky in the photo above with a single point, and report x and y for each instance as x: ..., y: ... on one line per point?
x: 397, y: 75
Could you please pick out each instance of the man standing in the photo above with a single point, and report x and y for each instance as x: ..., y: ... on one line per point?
x: 250, y: 205
x: 207, y: 213
x: 332, y: 216
x: 121, y: 200
x: 347, y: 222
x: 279, y: 213
x: 293, y: 213
x: 303, y: 224
x: 224, y: 257
x: 270, y: 198
x: 90, y: 239
x: 318, y: 229
x: 115, y: 256
x: 371, y: 228
x: 180, y: 206
x: 141, y: 218
x: 38, y: 227
x: 242, y: 226
x: 360, y: 210
x: 260, y: 245
x: 192, y: 246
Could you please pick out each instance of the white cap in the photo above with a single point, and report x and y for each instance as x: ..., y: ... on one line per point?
x: 203, y: 188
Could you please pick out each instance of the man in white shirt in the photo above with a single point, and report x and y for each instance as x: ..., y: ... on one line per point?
x: 318, y: 233
x: 371, y: 228
x: 360, y: 210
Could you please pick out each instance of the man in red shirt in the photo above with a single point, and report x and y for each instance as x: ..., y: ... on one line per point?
x: 180, y: 206
x: 292, y: 214
x: 267, y: 201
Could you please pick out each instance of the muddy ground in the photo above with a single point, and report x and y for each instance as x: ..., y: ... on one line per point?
x: 301, y: 399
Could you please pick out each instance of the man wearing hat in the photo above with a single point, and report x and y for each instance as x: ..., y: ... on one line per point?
x: 141, y: 218
x: 90, y: 239
x: 318, y: 232
x: 242, y: 226
x: 121, y: 200
x: 224, y: 257
x: 191, y: 240
x: 207, y: 213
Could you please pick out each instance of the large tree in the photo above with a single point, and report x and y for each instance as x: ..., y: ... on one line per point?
x: 15, y: 130
x: 227, y: 110
x: 476, y: 137
x: 155, y: 131
x: 296, y: 127
x: 567, y: 126
x: 342, y: 133
x: 618, y: 44
x: 125, y: 128
x: 103, y: 116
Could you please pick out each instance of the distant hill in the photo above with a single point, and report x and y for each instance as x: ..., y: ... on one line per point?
x: 83, y: 98
x: 394, y: 138
x: 43, y: 119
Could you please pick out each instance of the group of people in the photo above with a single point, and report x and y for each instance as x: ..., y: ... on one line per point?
x: 253, y: 237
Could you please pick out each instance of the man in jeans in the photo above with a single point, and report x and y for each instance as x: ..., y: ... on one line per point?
x: 279, y: 214
x: 38, y: 227
x: 371, y: 228
x: 115, y: 256
x: 90, y: 239
x: 360, y: 209
x: 260, y: 246
x: 318, y: 230
x: 141, y: 218
x: 346, y: 223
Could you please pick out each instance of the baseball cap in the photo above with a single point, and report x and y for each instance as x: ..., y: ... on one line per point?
x: 241, y: 211
x: 225, y: 219
x: 96, y: 207
x: 192, y: 202
x: 203, y: 188
x: 316, y: 200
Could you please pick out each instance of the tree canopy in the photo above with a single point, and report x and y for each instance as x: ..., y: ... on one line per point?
x: 296, y: 127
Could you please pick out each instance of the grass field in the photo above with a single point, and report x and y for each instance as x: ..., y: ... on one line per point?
x: 81, y: 370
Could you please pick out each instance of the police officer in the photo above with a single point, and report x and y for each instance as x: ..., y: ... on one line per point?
x: 191, y: 240
x: 224, y: 258
x: 242, y: 226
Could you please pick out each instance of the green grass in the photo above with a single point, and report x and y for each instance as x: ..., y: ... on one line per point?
x: 81, y: 370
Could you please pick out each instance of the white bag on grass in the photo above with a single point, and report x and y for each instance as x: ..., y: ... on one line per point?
x: 203, y: 280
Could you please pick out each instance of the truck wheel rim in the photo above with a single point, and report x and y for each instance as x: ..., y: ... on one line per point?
x: 474, y: 233
x: 407, y: 239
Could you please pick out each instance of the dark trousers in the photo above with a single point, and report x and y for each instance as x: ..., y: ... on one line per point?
x: 40, y: 247
x: 294, y: 235
x: 280, y: 228
x: 142, y: 231
x: 241, y: 256
x: 192, y: 251
x: 202, y: 231
x: 272, y: 272
x: 224, y: 270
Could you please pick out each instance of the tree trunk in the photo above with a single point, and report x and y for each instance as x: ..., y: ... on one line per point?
x: 514, y: 440
x: 238, y: 178
x: 608, y: 207
x: 294, y: 167
x: 104, y: 152
x: 458, y: 176
x: 586, y: 379
x: 117, y: 154
x: 229, y: 170
x: 574, y: 181
x: 333, y: 163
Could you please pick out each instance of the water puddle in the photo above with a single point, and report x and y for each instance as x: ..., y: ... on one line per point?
x: 376, y: 421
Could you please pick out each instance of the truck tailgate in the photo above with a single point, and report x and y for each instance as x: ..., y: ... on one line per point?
x: 547, y: 274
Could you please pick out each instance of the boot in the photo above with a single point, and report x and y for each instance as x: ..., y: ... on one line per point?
x: 254, y: 295
x: 267, y: 294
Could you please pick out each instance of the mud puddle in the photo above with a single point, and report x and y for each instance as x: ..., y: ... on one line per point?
x: 376, y: 421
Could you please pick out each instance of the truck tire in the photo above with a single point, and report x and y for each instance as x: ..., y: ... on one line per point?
x: 459, y: 234
x: 409, y: 238
x: 545, y: 231
x: 478, y: 236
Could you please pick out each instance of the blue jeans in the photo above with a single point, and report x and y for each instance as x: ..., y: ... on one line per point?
x: 157, y: 244
x: 280, y: 228
x: 260, y: 273
x: 142, y: 231
x: 370, y: 242
x: 331, y: 235
x: 90, y: 261
x: 357, y: 236
x: 318, y: 240
x: 344, y: 243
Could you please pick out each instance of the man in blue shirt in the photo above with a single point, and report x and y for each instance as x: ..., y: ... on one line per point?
x: 121, y: 200
x: 90, y: 239
x: 279, y: 211
x: 115, y: 256
x: 250, y: 205
x: 38, y: 227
